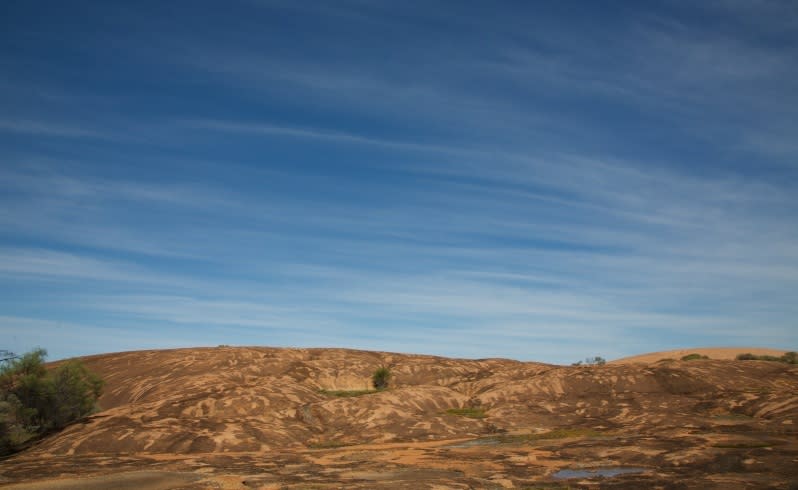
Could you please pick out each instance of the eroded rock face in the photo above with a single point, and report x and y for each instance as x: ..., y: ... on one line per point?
x: 269, y: 414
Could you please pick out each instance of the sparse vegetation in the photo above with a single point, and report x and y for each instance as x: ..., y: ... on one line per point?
x: 471, y: 413
x: 694, y: 357
x: 788, y: 357
x: 35, y: 400
x: 381, y: 378
x: 591, y: 361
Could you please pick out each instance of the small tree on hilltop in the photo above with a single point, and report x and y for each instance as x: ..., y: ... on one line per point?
x: 591, y: 361
x: 380, y: 378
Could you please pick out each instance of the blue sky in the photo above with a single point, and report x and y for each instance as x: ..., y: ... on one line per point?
x: 542, y: 181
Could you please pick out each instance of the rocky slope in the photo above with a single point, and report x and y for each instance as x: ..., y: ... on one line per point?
x: 269, y: 418
x: 717, y: 353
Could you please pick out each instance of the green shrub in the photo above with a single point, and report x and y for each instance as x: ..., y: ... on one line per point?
x: 74, y: 392
x: 35, y: 400
x: 693, y: 357
x: 788, y: 357
x: 380, y: 378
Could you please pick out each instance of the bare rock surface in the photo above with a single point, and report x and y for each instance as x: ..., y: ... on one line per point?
x: 718, y: 353
x: 241, y: 417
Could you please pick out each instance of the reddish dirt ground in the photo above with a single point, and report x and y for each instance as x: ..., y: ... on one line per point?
x: 243, y: 418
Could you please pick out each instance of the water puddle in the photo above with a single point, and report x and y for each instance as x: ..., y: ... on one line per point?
x: 608, y: 472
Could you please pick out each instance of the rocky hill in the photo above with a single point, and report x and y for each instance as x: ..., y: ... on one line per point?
x: 717, y: 353
x: 240, y: 417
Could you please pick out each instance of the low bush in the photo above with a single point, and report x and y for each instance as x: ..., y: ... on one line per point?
x: 788, y: 357
x: 380, y: 378
x: 693, y: 357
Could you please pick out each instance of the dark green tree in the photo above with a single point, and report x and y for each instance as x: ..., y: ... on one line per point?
x: 35, y: 399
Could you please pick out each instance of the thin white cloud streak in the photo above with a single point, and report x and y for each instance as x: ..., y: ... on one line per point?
x: 688, y: 210
x: 254, y: 314
x: 426, y: 308
x: 489, y: 230
x: 110, y: 128
x: 331, y: 136
x: 626, y: 193
x: 68, y: 339
x: 421, y: 303
x: 662, y: 66
x: 412, y: 295
x: 52, y: 266
x: 47, y: 181
x: 48, y: 129
x: 654, y: 63
x: 701, y: 204
x: 436, y: 102
x: 611, y: 186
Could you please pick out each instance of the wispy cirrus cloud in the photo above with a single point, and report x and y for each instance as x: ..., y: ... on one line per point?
x: 602, y: 182
x: 47, y: 129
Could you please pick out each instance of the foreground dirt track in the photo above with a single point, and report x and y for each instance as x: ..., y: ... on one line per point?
x: 265, y: 418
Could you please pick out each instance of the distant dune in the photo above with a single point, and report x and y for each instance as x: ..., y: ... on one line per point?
x: 720, y: 353
x: 267, y: 418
